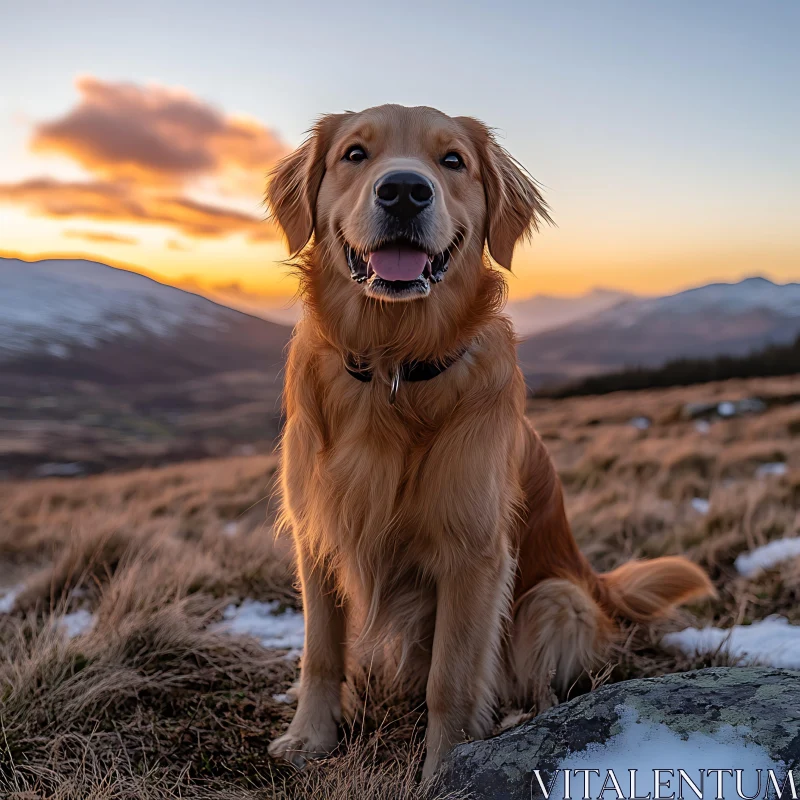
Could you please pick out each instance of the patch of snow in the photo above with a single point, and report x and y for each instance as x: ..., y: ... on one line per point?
x: 647, y: 747
x: 773, y: 468
x: 726, y: 409
x: 76, y: 623
x: 57, y: 350
x: 294, y: 654
x: 640, y: 423
x: 701, y: 505
x: 71, y: 625
x: 766, y: 556
x: 772, y: 642
x: 279, y: 631
x: 8, y: 599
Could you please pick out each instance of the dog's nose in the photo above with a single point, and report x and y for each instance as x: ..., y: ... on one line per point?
x: 403, y: 194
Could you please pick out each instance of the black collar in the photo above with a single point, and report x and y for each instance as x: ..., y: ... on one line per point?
x: 409, y: 371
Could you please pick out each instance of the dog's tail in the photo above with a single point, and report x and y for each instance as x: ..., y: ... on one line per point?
x: 564, y: 626
x: 644, y: 590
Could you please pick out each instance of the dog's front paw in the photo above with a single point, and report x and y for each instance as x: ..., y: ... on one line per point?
x: 303, y: 743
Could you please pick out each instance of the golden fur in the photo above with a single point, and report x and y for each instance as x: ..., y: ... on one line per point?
x: 431, y: 535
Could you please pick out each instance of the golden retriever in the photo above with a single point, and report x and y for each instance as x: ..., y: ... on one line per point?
x: 427, y: 517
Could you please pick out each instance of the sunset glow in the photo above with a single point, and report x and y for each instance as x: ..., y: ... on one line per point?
x: 656, y: 183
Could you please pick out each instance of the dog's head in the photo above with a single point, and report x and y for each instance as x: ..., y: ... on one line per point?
x: 396, y: 196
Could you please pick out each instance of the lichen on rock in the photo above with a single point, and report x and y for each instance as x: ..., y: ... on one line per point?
x: 750, y: 716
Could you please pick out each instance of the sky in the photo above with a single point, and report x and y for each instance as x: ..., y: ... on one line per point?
x: 664, y: 134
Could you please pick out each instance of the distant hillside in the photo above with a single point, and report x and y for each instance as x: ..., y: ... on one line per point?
x: 773, y: 361
x: 718, y: 319
x: 104, y: 369
x: 544, y: 312
x: 84, y: 320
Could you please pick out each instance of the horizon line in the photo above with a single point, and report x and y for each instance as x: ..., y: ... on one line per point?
x: 201, y: 286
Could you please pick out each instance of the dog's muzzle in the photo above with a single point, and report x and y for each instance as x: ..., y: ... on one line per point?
x: 400, y: 269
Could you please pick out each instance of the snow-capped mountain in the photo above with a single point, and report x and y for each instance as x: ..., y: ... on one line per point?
x: 749, y: 295
x: 717, y: 319
x: 83, y: 319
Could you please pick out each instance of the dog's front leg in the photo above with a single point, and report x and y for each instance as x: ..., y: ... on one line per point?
x: 313, y: 731
x: 462, y: 682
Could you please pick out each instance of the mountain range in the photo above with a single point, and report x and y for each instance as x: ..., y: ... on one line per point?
x: 716, y: 319
x: 76, y: 319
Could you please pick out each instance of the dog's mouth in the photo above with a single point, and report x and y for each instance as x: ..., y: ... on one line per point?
x: 400, y: 269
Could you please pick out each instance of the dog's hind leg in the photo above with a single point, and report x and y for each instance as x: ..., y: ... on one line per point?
x: 558, y: 632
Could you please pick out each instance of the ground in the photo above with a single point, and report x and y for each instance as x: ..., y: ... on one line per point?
x: 154, y: 701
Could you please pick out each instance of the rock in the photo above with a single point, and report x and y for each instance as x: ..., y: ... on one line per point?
x: 745, y: 718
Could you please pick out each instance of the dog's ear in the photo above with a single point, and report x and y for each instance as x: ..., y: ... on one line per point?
x: 514, y: 206
x: 295, y: 181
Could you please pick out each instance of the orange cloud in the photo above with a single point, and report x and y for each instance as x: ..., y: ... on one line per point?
x: 174, y: 244
x: 146, y: 148
x: 122, y: 203
x: 156, y: 135
x: 99, y: 236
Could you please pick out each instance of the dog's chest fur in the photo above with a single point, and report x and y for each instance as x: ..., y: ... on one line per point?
x: 379, y: 496
x: 376, y: 465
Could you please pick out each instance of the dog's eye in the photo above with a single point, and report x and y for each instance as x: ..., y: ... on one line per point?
x: 356, y: 153
x: 453, y: 161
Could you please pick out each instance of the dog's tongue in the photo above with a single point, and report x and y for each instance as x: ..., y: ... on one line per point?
x: 398, y: 263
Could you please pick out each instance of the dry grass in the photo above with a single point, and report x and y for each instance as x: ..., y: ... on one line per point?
x: 152, y: 704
